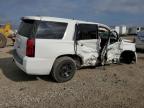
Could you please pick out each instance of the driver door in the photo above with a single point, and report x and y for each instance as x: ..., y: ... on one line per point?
x: 110, y: 46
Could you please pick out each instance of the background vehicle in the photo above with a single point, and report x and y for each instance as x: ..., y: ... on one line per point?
x: 5, y: 32
x: 139, y: 40
x: 48, y: 45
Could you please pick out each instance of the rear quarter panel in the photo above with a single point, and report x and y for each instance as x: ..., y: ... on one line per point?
x: 49, y: 49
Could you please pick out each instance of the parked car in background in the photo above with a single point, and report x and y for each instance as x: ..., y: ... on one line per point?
x: 57, y: 46
x: 139, y: 40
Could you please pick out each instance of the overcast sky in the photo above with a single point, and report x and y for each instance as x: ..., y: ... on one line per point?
x: 111, y: 12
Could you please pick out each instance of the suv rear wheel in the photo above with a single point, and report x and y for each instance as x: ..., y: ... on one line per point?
x: 64, y: 69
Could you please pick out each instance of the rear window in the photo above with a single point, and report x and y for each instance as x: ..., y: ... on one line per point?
x: 27, y: 28
x: 51, y: 30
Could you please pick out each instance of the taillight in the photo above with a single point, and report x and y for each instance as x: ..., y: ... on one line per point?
x: 30, y: 48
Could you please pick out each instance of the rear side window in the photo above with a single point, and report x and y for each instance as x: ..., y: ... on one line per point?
x: 87, y: 31
x: 51, y: 30
x: 27, y: 28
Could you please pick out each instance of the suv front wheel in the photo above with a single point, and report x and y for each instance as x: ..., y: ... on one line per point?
x: 64, y: 69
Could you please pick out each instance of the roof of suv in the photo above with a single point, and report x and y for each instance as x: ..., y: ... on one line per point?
x: 46, y: 18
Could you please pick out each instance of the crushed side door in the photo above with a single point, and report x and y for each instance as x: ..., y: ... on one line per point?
x: 113, y: 52
x: 87, y: 43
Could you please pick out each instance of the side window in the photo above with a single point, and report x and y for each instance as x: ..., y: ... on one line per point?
x: 87, y: 31
x: 51, y: 30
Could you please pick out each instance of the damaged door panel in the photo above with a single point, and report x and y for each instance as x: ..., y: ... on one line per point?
x: 113, y: 52
x: 99, y: 45
x: 88, y: 43
x: 103, y: 33
x: 113, y: 49
x: 120, y: 50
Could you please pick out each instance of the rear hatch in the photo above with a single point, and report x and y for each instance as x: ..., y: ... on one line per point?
x: 27, y: 30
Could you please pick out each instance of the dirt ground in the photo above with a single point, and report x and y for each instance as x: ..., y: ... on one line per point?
x: 116, y: 86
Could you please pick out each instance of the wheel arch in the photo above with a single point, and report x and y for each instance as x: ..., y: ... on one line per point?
x: 129, y: 54
x: 73, y: 56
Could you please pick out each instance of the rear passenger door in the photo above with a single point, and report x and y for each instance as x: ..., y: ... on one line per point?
x: 88, y: 43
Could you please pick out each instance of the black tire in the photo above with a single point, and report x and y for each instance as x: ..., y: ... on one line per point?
x: 127, y: 58
x: 3, y: 41
x: 63, y: 69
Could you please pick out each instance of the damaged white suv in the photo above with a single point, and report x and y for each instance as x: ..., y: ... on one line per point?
x: 56, y: 46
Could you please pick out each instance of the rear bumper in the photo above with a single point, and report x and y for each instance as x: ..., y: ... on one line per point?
x: 34, y: 66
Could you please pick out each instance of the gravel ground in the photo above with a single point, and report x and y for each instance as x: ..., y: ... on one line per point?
x: 114, y: 86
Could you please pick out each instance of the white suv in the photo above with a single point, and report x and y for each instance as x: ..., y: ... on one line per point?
x: 56, y: 46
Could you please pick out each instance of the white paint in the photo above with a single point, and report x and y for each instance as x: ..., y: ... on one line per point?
x: 113, y: 52
x: 88, y: 50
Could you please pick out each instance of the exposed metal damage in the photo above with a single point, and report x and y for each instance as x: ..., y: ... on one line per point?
x: 113, y: 52
x: 89, y: 55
